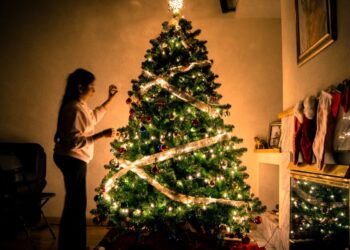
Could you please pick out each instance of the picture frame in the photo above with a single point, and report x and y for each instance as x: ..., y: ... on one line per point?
x: 315, y: 27
x: 274, y: 138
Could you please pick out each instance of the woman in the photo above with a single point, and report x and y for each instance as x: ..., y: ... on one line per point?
x: 74, y: 146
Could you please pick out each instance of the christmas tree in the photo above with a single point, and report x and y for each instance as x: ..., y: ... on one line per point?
x: 176, y: 162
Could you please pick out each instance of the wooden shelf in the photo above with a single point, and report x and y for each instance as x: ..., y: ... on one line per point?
x: 329, y: 169
x: 268, y: 150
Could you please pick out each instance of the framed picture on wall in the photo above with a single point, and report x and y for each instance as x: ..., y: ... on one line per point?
x: 315, y: 27
x: 274, y: 134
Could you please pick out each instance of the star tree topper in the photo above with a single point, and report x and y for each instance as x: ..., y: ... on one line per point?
x: 175, y: 6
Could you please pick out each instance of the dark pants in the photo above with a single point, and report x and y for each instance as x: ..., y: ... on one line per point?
x: 72, y: 234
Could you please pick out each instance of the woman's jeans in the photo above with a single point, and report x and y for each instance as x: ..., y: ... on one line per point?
x: 72, y: 234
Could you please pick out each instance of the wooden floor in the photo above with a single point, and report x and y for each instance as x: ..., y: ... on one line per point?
x: 42, y: 239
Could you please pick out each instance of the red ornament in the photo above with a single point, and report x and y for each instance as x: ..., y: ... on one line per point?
x: 148, y: 119
x: 116, y: 166
x: 122, y: 150
x: 132, y: 113
x: 195, y: 122
x: 258, y: 220
x: 128, y: 101
x: 155, y: 169
x: 245, y: 239
x: 160, y: 102
x: 163, y: 147
x: 212, y: 183
x: 103, y: 190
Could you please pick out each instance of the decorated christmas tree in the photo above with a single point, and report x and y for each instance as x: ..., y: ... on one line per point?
x: 177, y: 162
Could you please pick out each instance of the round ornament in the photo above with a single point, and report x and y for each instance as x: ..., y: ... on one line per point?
x: 96, y: 197
x: 163, y: 147
x: 116, y: 166
x: 258, y: 220
x: 160, y: 102
x: 128, y: 101
x: 143, y: 129
x: 212, y: 183
x: 122, y: 150
x: 224, y: 228
x: 132, y: 113
x: 155, y: 169
x: 146, y: 119
x: 195, y: 122
x: 223, y: 163
x: 245, y: 239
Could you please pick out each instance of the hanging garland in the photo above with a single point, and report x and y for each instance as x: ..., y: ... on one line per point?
x: 214, y: 112
x: 137, y: 167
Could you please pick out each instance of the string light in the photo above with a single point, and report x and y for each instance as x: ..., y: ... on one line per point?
x: 137, y: 212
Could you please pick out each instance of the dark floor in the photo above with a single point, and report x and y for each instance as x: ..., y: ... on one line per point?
x: 42, y: 239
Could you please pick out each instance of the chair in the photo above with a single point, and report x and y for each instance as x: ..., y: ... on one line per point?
x: 22, y: 180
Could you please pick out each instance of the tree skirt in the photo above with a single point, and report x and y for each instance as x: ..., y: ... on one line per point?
x: 162, y: 241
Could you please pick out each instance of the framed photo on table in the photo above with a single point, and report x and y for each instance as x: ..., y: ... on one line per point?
x: 275, y: 134
x: 315, y: 27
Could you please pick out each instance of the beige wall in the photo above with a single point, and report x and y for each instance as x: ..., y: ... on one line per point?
x: 42, y: 41
x: 329, y: 67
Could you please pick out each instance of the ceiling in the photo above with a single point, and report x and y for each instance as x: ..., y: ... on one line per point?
x: 245, y: 8
x: 259, y: 8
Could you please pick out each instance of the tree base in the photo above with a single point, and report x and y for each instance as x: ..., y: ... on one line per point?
x: 161, y: 240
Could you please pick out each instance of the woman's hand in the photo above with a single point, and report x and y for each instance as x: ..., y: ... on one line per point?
x: 112, y: 91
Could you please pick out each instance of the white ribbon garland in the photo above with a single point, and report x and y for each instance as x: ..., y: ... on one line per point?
x: 186, y: 199
x: 137, y: 167
x: 214, y: 112
x: 163, y: 83
x: 181, y: 69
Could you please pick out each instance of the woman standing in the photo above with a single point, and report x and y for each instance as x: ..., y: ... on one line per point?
x: 74, y: 148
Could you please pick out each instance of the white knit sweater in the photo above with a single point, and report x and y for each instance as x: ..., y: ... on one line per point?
x: 75, y: 130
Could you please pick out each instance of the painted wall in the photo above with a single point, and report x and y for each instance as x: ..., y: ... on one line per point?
x: 329, y: 67
x: 43, y: 41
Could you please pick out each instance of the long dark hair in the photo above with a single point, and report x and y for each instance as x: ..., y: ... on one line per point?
x: 80, y: 77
